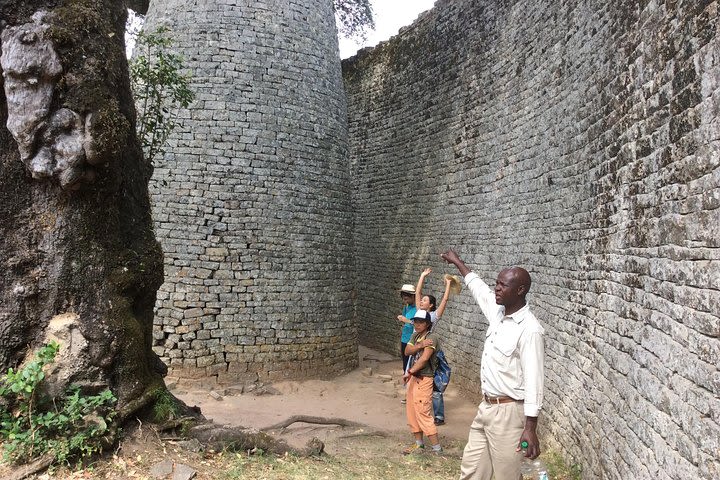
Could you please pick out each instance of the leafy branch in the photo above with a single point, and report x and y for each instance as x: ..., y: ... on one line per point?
x: 354, y: 17
x: 159, y: 89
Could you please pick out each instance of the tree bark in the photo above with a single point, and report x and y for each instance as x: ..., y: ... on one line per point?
x: 140, y: 6
x: 79, y: 262
x: 37, y: 466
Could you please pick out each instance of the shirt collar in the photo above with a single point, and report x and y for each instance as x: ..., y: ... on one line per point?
x: 519, y: 316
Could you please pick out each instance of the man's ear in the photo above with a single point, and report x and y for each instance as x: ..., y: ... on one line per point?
x: 522, y: 290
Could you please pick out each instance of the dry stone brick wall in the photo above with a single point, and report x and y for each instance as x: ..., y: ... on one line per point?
x: 252, y: 201
x: 580, y: 139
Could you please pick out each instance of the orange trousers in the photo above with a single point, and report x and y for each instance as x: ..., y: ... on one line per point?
x: 418, y: 406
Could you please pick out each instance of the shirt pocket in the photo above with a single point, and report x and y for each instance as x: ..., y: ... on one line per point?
x: 506, y: 340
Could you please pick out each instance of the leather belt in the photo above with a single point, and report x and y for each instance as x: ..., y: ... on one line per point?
x: 499, y: 400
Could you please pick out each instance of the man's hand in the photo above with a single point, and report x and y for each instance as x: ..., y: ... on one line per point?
x: 528, y: 435
x: 406, y: 377
x: 402, y: 319
x: 452, y: 257
x: 424, y: 343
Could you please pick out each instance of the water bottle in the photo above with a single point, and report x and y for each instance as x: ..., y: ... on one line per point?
x: 533, y: 469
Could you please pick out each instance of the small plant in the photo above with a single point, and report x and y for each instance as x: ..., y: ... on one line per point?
x: 165, y: 407
x: 32, y: 424
x: 159, y: 89
x: 559, y: 469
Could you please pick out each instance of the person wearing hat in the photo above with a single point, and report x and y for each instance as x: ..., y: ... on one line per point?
x: 419, y: 381
x: 511, y: 376
x: 407, y: 294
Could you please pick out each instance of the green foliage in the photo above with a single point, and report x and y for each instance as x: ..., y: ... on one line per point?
x: 558, y: 469
x: 23, y: 382
x: 165, y: 407
x: 354, y: 17
x: 159, y: 89
x: 32, y: 425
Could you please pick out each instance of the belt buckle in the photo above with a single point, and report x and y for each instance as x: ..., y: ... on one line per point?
x: 492, y: 400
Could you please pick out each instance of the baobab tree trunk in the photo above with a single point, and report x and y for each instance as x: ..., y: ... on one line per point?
x: 78, y: 259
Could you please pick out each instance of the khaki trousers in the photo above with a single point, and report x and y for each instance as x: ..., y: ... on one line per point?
x: 494, y: 436
x: 418, y: 405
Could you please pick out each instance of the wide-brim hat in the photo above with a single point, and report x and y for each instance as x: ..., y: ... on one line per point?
x: 455, y: 283
x: 408, y: 288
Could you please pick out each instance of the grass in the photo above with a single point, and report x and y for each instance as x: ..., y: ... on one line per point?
x: 364, y: 458
x: 332, y: 467
x: 367, y: 458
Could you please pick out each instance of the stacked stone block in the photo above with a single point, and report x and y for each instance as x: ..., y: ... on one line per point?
x: 580, y: 140
x: 252, y: 200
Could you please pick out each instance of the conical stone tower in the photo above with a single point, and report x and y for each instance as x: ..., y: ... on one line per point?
x: 252, y: 200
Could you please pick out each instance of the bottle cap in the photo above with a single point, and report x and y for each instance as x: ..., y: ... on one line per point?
x: 524, y: 444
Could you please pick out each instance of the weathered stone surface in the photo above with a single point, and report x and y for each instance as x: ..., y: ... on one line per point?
x: 162, y: 469
x: 252, y: 200
x: 579, y: 140
x: 183, y: 472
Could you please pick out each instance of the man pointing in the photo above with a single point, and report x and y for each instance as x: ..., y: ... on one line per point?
x: 511, y: 374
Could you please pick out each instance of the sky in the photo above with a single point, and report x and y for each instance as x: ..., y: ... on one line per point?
x: 390, y: 16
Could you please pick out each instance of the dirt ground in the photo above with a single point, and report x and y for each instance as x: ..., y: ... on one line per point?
x: 373, y: 399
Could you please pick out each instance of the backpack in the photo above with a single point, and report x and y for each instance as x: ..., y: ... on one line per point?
x: 442, y: 372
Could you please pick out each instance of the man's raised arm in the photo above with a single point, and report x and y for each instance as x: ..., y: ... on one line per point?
x: 451, y: 257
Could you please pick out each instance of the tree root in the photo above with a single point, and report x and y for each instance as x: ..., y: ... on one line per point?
x: 31, y: 468
x: 369, y: 433
x: 175, y: 423
x: 147, y: 398
x: 366, y: 431
x: 314, y: 420
x: 220, y: 437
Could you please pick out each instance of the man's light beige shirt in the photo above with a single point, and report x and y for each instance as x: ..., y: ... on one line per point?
x: 513, y: 357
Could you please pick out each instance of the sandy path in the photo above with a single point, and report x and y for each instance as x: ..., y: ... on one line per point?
x: 372, y: 399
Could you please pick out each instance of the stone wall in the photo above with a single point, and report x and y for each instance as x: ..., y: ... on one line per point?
x: 580, y: 139
x: 252, y: 200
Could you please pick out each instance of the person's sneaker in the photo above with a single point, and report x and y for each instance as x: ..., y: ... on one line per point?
x: 439, y: 421
x: 438, y: 451
x: 413, y: 448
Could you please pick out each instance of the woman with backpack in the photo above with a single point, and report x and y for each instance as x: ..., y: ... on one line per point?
x: 419, y: 381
